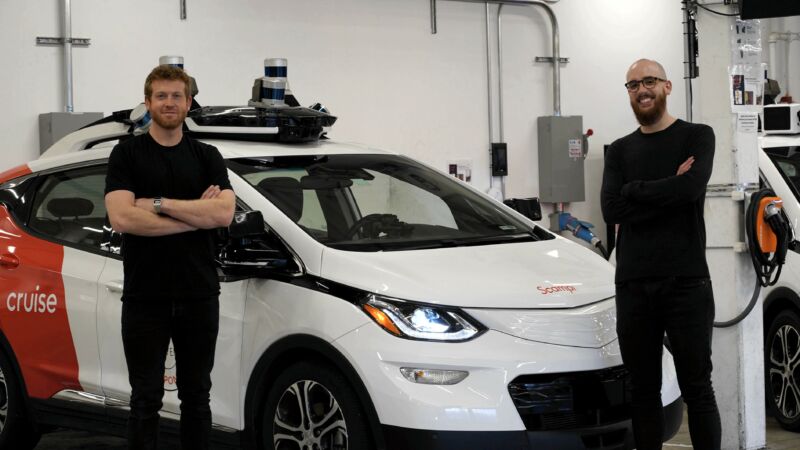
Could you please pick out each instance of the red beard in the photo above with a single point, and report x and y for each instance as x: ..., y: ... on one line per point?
x: 654, y: 113
x: 168, y: 123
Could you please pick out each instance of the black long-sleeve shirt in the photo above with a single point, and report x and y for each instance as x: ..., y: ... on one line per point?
x: 660, y: 214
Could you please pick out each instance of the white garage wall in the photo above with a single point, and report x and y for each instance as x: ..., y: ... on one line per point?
x: 785, y: 53
x: 374, y: 63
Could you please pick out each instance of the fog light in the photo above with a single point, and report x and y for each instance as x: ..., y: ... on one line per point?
x: 433, y: 376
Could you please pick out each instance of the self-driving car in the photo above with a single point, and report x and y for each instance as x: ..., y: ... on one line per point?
x: 368, y: 301
x: 779, y: 164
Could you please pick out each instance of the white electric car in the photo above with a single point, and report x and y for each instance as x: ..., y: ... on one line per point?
x: 779, y: 163
x: 368, y: 302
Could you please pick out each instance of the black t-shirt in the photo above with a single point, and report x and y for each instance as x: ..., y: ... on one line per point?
x: 179, y: 266
x: 660, y: 214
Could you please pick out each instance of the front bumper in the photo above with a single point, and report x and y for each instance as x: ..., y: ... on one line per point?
x: 618, y: 436
x: 482, y: 401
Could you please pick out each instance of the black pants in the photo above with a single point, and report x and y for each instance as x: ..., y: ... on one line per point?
x: 684, y: 309
x: 147, y: 327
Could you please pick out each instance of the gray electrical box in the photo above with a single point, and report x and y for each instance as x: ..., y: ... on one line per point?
x: 561, y: 155
x: 53, y: 126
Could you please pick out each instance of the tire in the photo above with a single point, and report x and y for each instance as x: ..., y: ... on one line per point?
x: 16, y: 430
x: 782, y: 369
x: 334, y: 409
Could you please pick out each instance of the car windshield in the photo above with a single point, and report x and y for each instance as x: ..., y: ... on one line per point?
x: 375, y: 202
x: 787, y: 160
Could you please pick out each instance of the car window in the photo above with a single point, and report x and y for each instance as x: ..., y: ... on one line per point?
x: 69, y: 206
x: 411, y: 204
x: 366, y: 202
x: 307, y: 211
x: 787, y: 161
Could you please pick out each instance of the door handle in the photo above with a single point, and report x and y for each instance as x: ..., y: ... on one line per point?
x: 114, y: 286
x: 9, y: 261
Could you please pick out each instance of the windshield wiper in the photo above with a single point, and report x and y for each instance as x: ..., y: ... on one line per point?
x: 466, y: 242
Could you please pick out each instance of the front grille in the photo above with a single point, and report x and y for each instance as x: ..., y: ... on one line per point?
x: 572, y: 400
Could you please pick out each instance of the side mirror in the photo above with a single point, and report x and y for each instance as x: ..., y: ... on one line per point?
x: 246, y: 224
x: 528, y: 207
x: 250, y: 251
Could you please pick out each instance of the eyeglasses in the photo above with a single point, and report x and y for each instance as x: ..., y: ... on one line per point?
x: 648, y: 82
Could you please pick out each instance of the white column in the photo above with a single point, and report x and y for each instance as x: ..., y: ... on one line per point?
x: 738, y: 351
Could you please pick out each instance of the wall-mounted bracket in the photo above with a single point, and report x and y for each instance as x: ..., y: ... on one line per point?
x: 549, y: 59
x: 80, y: 42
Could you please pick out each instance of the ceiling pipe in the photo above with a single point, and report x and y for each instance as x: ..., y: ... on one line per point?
x: 67, y: 21
x: 555, y: 39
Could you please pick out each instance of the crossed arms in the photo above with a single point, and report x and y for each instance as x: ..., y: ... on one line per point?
x: 638, y: 200
x: 136, y: 216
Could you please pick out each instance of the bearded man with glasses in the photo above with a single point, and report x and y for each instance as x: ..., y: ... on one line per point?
x: 654, y: 185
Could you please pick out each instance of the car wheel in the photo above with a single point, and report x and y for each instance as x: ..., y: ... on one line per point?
x: 782, y: 367
x: 312, y: 407
x: 16, y: 431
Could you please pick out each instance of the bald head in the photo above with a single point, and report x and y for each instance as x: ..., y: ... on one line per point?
x: 647, y: 65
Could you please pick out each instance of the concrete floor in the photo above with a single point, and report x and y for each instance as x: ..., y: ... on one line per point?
x: 777, y: 439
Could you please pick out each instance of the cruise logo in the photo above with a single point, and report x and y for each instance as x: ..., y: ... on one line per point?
x: 555, y: 289
x: 32, y: 302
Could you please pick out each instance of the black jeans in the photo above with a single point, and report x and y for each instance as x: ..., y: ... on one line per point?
x: 147, y: 327
x: 684, y: 309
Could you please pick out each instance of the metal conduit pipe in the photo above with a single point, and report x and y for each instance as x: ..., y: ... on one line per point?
x: 67, y: 20
x: 488, y: 85
x: 556, y: 43
x: 500, y: 73
x: 784, y: 36
x: 687, y: 57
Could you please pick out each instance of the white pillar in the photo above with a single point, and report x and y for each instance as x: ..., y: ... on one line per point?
x: 737, y: 351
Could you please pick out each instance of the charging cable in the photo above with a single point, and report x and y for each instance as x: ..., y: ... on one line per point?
x: 767, y: 262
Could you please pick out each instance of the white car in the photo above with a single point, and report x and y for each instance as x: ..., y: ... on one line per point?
x: 368, y: 301
x: 779, y: 163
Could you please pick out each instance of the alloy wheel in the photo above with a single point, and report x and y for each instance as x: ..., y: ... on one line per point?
x: 783, y: 371
x: 3, y: 400
x: 308, y: 417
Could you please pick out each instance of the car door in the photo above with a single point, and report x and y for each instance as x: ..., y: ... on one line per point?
x: 50, y: 290
x: 226, y: 376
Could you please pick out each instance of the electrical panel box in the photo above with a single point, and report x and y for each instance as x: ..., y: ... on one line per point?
x: 53, y: 126
x: 561, y: 154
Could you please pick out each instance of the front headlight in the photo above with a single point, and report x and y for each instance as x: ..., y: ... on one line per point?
x: 418, y: 321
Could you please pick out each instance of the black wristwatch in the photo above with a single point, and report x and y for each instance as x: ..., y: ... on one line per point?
x: 157, y: 205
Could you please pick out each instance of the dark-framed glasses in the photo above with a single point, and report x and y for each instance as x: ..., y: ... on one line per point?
x: 648, y: 82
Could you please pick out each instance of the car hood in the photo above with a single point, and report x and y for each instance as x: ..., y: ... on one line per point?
x: 545, y: 274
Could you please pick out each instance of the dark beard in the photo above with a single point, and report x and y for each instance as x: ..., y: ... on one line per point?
x: 654, y: 114
x: 168, y: 124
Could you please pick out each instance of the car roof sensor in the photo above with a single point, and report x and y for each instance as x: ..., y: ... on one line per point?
x: 272, y: 114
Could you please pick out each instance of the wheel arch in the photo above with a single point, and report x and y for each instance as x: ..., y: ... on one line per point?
x: 302, y: 347
x: 779, y: 300
x: 8, y: 352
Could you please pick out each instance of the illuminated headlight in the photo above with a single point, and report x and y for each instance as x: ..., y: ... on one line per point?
x: 418, y: 321
x: 433, y: 376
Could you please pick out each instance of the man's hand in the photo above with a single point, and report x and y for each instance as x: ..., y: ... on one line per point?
x: 683, y: 168
x: 212, y: 192
x: 213, y: 209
